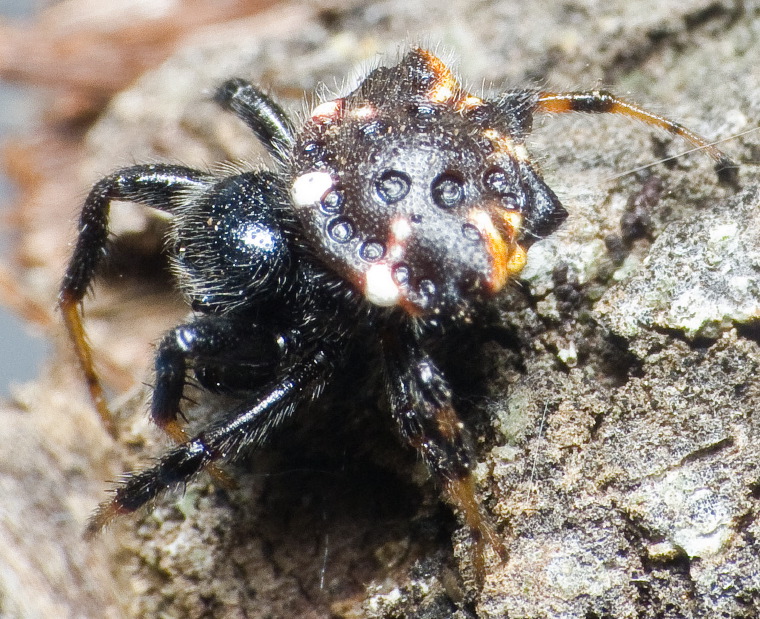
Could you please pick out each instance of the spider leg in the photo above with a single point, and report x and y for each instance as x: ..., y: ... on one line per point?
x: 263, y: 116
x: 602, y: 102
x: 421, y: 405
x: 156, y: 186
x: 245, y: 428
x: 209, y: 341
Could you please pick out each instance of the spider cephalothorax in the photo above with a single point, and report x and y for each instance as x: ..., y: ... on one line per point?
x: 406, y: 204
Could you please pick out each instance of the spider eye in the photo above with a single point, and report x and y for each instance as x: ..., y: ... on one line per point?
x: 471, y: 232
x: 400, y: 274
x: 448, y: 190
x: 392, y: 186
x: 423, y: 115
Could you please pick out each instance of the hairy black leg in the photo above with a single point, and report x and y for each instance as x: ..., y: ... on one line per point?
x: 601, y: 102
x: 156, y: 186
x: 544, y: 212
x: 420, y: 401
x: 244, y: 429
x: 209, y: 340
x: 263, y: 116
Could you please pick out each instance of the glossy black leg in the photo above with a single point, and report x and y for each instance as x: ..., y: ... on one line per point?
x: 244, y: 429
x: 263, y: 116
x: 208, y: 342
x: 156, y: 186
x: 421, y: 404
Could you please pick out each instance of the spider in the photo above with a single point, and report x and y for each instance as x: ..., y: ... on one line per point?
x: 392, y: 214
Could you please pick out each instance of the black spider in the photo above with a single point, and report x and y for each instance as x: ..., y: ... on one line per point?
x: 394, y: 212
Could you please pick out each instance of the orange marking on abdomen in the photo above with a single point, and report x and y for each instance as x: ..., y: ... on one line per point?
x: 508, y: 258
x: 445, y: 86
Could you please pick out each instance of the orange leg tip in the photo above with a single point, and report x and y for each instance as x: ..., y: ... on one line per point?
x: 102, y: 517
x: 222, y: 477
x: 105, y: 413
x: 461, y: 493
x: 484, y: 538
x: 175, y: 431
x: 495, y: 542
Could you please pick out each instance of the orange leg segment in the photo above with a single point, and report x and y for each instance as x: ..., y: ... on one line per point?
x: 602, y: 102
x: 460, y: 493
x: 73, y: 321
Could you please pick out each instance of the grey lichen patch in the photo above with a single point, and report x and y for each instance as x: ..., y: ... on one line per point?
x: 516, y: 416
x: 690, y: 509
x: 428, y: 594
x: 701, y: 277
x: 560, y: 574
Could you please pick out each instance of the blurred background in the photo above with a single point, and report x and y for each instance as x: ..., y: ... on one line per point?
x: 23, y: 346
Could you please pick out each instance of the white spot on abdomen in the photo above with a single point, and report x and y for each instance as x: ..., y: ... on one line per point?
x: 401, y: 229
x: 308, y: 189
x: 380, y: 288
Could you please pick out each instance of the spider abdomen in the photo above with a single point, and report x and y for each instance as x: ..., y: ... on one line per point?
x: 410, y: 193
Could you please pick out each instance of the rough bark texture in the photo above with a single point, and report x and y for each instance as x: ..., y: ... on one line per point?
x: 614, y: 404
